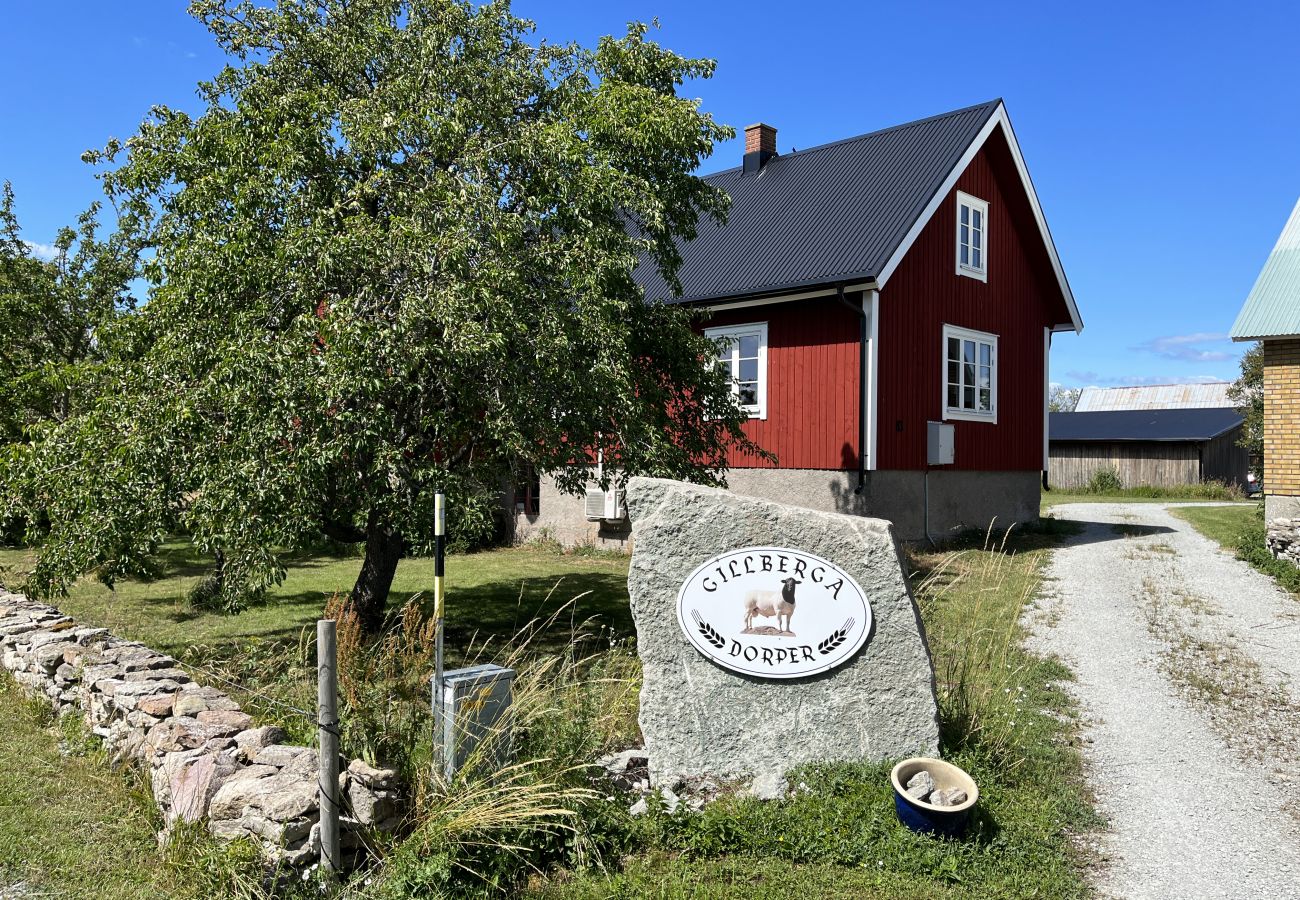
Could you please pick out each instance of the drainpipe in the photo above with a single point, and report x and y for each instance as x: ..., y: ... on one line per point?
x: 862, y: 386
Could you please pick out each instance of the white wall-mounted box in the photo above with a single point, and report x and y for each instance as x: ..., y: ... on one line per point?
x: 939, y: 443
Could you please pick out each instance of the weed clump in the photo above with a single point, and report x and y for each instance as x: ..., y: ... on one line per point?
x: 1252, y: 546
x: 1105, y: 480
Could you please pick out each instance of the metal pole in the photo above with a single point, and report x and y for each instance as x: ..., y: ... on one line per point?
x: 328, y: 720
x: 439, y: 567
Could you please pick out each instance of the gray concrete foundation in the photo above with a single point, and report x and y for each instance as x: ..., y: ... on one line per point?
x: 1278, y: 506
x: 956, y: 501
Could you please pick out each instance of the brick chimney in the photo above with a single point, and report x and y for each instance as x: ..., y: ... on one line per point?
x: 760, y: 146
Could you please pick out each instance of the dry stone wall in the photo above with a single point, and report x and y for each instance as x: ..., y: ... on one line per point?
x: 205, y: 758
x: 1284, y: 539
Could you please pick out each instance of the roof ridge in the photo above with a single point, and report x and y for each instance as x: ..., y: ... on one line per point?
x: 991, y: 105
x: 1129, y: 387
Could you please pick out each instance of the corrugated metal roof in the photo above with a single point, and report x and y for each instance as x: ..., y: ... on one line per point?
x: 1273, y: 307
x: 1142, y: 425
x: 835, y: 212
x: 1155, y: 396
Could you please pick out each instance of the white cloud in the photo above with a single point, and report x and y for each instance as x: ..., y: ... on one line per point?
x: 1184, y: 347
x: 46, y: 252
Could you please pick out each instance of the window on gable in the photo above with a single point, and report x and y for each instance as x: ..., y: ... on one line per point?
x: 972, y: 237
x: 970, y: 374
x: 743, y: 352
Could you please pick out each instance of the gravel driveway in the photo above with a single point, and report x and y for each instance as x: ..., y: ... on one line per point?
x: 1186, y: 660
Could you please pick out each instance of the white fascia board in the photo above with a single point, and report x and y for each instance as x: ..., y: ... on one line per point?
x: 998, y: 119
x: 1265, y: 337
x: 723, y: 305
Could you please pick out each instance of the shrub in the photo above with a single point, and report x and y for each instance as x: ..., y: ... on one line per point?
x: 1104, y: 481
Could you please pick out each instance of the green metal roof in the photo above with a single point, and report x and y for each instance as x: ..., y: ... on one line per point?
x: 1273, y: 307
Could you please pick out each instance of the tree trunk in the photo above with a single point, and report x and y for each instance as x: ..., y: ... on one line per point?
x: 384, y: 548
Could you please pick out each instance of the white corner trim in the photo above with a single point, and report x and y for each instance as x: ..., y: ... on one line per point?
x: 1047, y: 391
x: 998, y: 119
x: 871, y: 300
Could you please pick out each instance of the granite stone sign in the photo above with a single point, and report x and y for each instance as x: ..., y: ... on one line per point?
x: 771, y: 635
x: 725, y: 604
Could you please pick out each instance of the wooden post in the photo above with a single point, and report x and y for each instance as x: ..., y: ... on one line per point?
x: 439, y: 567
x: 328, y: 720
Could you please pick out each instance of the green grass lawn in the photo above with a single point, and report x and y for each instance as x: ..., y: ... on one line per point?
x: 71, y: 827
x: 1004, y: 718
x: 489, y: 596
x: 1221, y: 524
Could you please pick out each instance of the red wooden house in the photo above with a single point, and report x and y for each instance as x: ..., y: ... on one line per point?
x: 888, y: 303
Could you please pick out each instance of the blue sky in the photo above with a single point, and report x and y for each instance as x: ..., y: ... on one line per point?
x: 1163, y: 138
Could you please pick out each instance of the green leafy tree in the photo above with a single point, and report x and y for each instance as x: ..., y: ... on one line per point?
x: 1247, y: 392
x: 393, y: 255
x: 1063, y: 399
x: 55, y: 315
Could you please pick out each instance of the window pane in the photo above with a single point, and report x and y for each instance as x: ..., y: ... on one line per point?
x: 986, y: 400
x: 965, y: 214
x: 968, y: 397
x: 986, y: 377
x: 954, y: 371
x: 749, y: 394
x: 968, y: 352
x: 976, y: 218
x: 986, y: 353
x: 954, y: 348
x: 969, y: 376
x: 965, y: 255
x: 975, y: 239
x: 954, y: 396
x: 749, y: 345
x: 965, y: 235
x: 749, y: 370
x: 975, y: 258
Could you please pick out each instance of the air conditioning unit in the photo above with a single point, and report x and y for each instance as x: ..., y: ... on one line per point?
x: 604, y: 505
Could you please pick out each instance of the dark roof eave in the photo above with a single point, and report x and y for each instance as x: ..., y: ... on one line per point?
x: 776, y: 290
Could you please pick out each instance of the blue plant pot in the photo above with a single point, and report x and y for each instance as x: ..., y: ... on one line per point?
x: 923, y: 817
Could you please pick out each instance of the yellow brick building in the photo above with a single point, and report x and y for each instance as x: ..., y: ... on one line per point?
x: 1272, y: 314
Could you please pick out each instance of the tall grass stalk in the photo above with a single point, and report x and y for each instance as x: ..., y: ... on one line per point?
x: 974, y: 637
x: 498, y: 820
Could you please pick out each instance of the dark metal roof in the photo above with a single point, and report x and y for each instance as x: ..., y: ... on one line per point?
x: 1196, y: 424
x: 833, y: 213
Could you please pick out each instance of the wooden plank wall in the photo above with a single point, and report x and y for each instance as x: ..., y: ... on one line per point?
x: 1226, y: 461
x: 1164, y: 464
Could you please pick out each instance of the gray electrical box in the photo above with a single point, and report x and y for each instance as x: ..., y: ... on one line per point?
x: 939, y: 444
x: 474, y: 718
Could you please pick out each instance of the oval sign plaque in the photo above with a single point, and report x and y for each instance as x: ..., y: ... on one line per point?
x: 773, y: 612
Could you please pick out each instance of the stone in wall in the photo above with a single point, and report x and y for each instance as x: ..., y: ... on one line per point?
x: 205, y: 759
x: 1284, y: 539
x: 701, y: 719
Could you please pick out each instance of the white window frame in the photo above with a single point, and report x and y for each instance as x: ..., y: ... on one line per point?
x: 733, y: 333
x: 975, y: 204
x: 979, y: 337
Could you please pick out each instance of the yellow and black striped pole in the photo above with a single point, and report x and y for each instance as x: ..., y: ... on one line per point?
x: 439, y: 569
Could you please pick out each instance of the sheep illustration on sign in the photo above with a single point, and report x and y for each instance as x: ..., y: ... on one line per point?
x: 721, y: 604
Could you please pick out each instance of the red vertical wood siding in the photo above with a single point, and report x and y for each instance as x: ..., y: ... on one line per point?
x: 812, y: 383
x: 1020, y: 298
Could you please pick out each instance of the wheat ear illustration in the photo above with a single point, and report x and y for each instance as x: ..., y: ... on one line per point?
x: 710, y: 633
x: 835, y: 638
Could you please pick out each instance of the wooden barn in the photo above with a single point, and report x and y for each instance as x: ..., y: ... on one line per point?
x: 1155, y: 447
